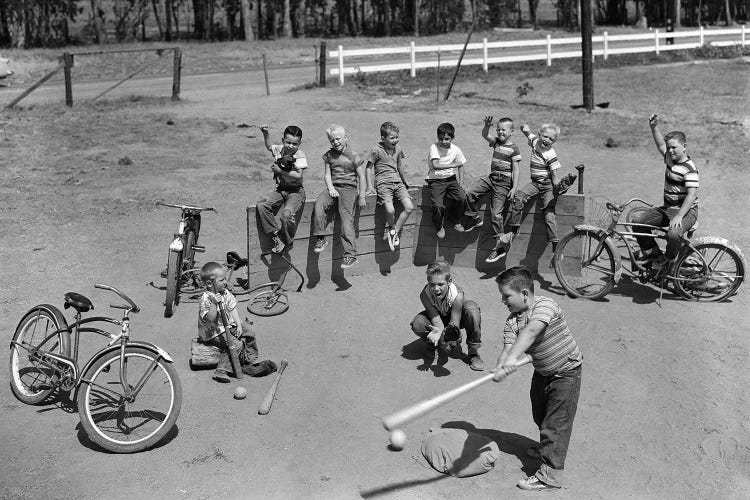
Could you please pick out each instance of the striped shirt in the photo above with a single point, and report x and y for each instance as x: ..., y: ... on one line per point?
x: 503, y: 156
x: 554, y: 349
x: 542, y: 162
x: 678, y: 177
x: 343, y: 166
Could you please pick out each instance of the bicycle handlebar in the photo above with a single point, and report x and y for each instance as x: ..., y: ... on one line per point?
x: 133, y: 307
x: 620, y: 208
x: 186, y: 207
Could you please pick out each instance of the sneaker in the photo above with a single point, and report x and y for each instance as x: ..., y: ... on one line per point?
x: 441, y: 233
x: 476, y: 363
x: 496, y: 254
x: 460, y: 228
x: 533, y: 452
x: 475, y: 223
x: 320, y: 245
x: 396, y: 239
x: 533, y: 483
x: 506, y: 238
x: 391, y: 242
x: 278, y: 245
x: 221, y: 376
x: 348, y: 262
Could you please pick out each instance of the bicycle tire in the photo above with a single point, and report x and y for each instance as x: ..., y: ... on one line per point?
x: 271, y: 302
x: 188, y: 254
x: 173, y: 285
x: 119, y: 425
x: 33, y: 384
x: 715, y: 283
x: 592, y: 280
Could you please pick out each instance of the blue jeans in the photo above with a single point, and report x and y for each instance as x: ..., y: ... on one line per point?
x: 498, y: 186
x: 554, y: 401
x: 529, y: 192
x: 471, y: 321
x: 345, y: 204
x: 661, y: 217
x: 290, y: 203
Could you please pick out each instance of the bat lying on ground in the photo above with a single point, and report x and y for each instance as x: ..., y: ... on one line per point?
x: 265, y: 406
x: 402, y: 417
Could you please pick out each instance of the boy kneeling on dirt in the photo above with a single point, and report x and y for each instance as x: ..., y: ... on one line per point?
x: 209, y: 333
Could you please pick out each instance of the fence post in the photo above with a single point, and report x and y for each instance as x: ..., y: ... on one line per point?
x: 485, y: 66
x: 656, y: 41
x: 341, y: 65
x: 413, y: 60
x: 605, y: 45
x: 700, y: 36
x: 549, y: 50
x: 68, y: 62
x: 322, y: 62
x: 265, y: 75
x: 580, y: 168
x: 176, y: 72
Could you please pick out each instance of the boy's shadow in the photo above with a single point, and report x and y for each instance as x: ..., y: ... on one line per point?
x: 419, y: 349
x: 508, y: 443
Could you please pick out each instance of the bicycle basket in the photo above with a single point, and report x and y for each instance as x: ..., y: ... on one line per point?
x: 595, y: 211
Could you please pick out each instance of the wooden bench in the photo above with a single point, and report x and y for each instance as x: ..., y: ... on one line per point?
x: 419, y: 242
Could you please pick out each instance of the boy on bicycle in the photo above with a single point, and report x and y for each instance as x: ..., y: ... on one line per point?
x: 288, y: 167
x: 209, y: 331
x: 680, y: 208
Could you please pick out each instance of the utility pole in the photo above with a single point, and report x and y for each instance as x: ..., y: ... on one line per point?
x: 587, y: 64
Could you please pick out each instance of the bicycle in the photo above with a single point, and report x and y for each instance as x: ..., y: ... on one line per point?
x: 181, y: 273
x: 270, y: 298
x: 586, y: 263
x: 128, y: 394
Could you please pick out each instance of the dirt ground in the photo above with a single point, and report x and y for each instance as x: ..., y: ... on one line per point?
x: 663, y: 411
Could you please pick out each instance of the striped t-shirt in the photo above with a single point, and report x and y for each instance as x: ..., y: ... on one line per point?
x: 678, y: 177
x: 554, y: 349
x: 542, y: 162
x: 503, y: 156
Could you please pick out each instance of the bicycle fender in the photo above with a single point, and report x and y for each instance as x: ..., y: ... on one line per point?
x: 607, y: 241
x: 134, y: 343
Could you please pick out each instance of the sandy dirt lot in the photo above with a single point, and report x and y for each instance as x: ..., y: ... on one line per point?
x: 663, y: 411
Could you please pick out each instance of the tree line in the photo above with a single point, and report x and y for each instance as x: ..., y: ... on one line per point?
x: 45, y: 23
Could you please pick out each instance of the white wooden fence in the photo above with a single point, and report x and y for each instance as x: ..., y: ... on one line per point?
x: 604, y: 45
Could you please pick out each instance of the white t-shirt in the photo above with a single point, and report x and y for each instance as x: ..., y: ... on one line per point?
x: 444, y: 157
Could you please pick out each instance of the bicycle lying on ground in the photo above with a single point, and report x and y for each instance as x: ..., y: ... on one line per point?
x: 587, y: 264
x: 181, y: 272
x: 267, y: 299
x: 128, y: 394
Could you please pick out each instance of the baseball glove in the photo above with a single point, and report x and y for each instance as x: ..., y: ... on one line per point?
x: 564, y: 184
x: 286, y: 162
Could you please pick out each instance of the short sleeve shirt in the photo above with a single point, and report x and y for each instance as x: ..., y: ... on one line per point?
x: 207, y: 330
x: 677, y: 179
x: 343, y: 166
x: 542, y: 162
x: 554, y: 349
x: 444, y: 157
x: 386, y: 164
x: 503, y: 156
x: 443, y: 303
x: 300, y: 163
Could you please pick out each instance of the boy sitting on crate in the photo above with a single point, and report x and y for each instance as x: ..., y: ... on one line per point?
x: 210, y: 327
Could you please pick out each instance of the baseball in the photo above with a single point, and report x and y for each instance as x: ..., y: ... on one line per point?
x: 240, y: 393
x: 398, y: 439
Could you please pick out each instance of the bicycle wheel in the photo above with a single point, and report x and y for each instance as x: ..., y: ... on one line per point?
x: 128, y: 424
x: 270, y: 302
x: 585, y: 264
x: 714, y: 275
x: 31, y: 380
x: 173, y: 278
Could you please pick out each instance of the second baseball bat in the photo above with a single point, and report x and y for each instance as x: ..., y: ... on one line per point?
x: 265, y: 406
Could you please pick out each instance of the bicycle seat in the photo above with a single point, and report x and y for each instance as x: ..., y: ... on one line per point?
x: 78, y: 302
x: 235, y: 261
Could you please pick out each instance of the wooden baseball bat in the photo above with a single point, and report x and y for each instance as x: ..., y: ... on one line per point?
x: 404, y: 416
x: 265, y: 406
x: 233, y: 355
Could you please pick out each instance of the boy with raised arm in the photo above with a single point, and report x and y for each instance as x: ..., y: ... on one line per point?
x: 680, y: 208
x: 385, y: 173
x: 288, y: 168
x: 537, y: 326
x: 344, y: 176
x: 445, y: 177
x: 500, y: 184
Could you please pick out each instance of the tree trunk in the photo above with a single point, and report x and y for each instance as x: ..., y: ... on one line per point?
x: 158, y: 20
x: 532, y: 12
x: 97, y: 21
x: 301, y: 15
x: 416, y: 18
x: 387, y: 18
x: 247, y: 21
x: 730, y: 21
x: 168, y: 20
x: 286, y: 28
x: 677, y: 14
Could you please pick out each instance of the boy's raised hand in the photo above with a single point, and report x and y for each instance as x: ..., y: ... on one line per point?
x: 525, y: 129
x: 487, y: 121
x: 653, y: 121
x: 264, y: 129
